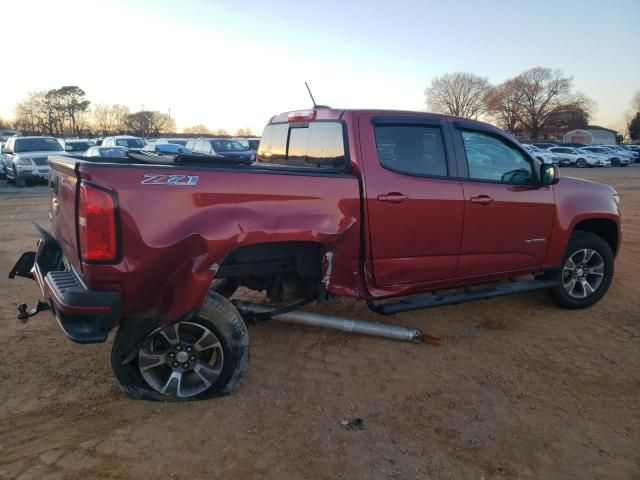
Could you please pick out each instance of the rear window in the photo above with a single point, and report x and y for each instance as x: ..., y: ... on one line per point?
x: 314, y: 145
x: 79, y: 146
x: 130, y: 142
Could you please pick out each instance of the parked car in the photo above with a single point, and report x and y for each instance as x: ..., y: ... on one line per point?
x: 569, y: 156
x: 545, y: 146
x: 543, y: 155
x: 177, y: 141
x: 107, y: 152
x: 619, y: 157
x: 605, y: 153
x: 595, y: 158
x: 221, y: 147
x: 249, y: 143
x: 634, y: 154
x: 77, y: 147
x: 316, y: 217
x: 167, y: 149
x: 25, y: 158
x: 132, y: 143
x: 2, y: 172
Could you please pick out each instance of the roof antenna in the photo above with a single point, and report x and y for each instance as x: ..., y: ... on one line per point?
x: 315, y: 105
x: 310, y: 94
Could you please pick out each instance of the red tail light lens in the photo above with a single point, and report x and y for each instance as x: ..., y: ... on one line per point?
x: 97, y: 224
x: 302, y: 116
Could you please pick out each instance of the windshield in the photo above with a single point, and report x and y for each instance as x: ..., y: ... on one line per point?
x: 78, y: 146
x: 130, y: 142
x: 227, y: 146
x: 36, y: 145
x: 178, y: 142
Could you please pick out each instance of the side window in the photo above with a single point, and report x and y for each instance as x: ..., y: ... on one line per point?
x: 199, y: 146
x: 491, y: 158
x: 411, y: 149
x: 273, y: 144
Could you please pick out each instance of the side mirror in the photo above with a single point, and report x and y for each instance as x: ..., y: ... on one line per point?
x: 68, y: 148
x: 549, y: 174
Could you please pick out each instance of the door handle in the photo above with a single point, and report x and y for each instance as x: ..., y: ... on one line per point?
x: 482, y: 199
x: 393, y: 197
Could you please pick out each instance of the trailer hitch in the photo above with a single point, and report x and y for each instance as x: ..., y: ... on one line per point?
x: 24, y: 314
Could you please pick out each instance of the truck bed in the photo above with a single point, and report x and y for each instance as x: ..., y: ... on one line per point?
x: 177, y: 223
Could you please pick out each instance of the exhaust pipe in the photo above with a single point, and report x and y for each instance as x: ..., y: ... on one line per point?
x: 364, y: 327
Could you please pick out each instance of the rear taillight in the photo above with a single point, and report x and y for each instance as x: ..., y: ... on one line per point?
x: 97, y: 224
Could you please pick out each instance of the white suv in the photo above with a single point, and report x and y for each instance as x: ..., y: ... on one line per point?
x: 572, y: 156
x: 25, y: 159
x: 132, y: 143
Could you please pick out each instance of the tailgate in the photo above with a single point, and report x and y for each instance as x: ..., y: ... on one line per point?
x: 63, y: 181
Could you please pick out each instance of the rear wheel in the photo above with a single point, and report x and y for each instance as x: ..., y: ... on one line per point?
x: 586, y: 272
x: 204, y: 356
x: 615, y: 162
x: 581, y: 163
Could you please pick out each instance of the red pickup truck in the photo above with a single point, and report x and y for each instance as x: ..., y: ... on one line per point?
x: 369, y: 204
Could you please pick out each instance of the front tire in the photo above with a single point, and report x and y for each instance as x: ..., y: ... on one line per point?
x: 581, y: 163
x: 203, y: 356
x: 586, y: 272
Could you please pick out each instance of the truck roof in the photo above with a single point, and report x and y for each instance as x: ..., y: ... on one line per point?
x: 327, y: 113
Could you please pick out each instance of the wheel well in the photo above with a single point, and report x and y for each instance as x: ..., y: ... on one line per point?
x: 605, y: 229
x: 283, y: 269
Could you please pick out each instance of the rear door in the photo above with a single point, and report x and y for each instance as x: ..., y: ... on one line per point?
x: 508, y: 214
x: 413, y: 199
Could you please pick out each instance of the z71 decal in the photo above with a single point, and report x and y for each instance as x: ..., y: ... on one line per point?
x: 153, y: 179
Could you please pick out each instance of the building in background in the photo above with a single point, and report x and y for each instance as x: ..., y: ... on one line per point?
x: 592, y: 134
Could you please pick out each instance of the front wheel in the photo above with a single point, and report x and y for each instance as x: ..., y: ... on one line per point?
x: 581, y: 163
x: 586, y: 272
x: 201, y: 357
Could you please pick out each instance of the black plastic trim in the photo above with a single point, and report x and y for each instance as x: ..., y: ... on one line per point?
x: 468, y: 295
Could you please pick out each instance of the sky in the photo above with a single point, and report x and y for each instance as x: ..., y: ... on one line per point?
x: 229, y: 64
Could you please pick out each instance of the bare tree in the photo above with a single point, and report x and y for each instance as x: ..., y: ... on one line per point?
x: 110, y: 119
x: 461, y: 94
x: 545, y: 94
x: 635, y: 103
x: 149, y: 123
x: 244, y: 132
x: 199, y: 129
x: 34, y: 115
x: 503, y: 104
x: 70, y: 103
x: 54, y: 112
x: 221, y: 132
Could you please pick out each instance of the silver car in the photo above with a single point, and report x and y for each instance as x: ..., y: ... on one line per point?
x: 26, y: 158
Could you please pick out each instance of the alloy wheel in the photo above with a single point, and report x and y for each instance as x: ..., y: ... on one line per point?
x: 583, y: 273
x: 181, y: 360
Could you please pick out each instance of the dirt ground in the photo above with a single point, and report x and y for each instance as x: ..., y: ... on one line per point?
x: 518, y: 389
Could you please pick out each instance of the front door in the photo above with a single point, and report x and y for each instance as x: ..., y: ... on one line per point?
x: 508, y: 214
x: 414, y: 205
